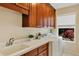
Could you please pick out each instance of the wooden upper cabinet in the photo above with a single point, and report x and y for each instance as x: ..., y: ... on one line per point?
x: 50, y: 16
x: 53, y: 17
x: 23, y: 5
x: 32, y: 15
x: 30, y: 20
x: 15, y: 7
x: 41, y: 15
x: 45, y: 17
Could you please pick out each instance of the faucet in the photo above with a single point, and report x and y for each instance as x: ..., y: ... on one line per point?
x: 10, y: 42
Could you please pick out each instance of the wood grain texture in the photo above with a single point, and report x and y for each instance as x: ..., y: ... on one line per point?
x: 45, y: 15
x: 24, y: 5
x: 32, y: 53
x: 14, y: 7
x: 44, y: 53
x: 32, y: 15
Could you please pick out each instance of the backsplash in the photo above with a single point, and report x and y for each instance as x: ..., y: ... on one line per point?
x: 19, y: 32
x: 33, y: 31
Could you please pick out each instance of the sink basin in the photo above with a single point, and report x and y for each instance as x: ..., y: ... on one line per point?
x: 13, y: 49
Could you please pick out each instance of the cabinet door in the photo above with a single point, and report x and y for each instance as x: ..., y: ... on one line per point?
x: 39, y: 15
x: 32, y: 15
x: 31, y: 53
x: 48, y: 16
x: 44, y: 15
x: 42, y: 48
x: 44, y: 53
x: 52, y: 16
x: 23, y: 5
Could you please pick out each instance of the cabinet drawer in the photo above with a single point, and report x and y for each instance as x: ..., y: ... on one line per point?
x: 42, y: 48
x: 44, y: 53
x: 31, y: 53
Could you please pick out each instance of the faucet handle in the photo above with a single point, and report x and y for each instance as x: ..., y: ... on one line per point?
x: 11, y: 40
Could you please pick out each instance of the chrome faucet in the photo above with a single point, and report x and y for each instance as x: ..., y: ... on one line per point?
x: 10, y: 42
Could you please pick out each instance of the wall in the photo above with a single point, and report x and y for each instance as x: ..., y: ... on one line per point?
x: 30, y: 30
x: 69, y: 19
x: 10, y: 24
x: 72, y: 48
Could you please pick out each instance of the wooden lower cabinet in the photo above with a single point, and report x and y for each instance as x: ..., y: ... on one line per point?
x: 42, y: 48
x: 44, y: 53
x: 31, y: 53
x: 40, y: 51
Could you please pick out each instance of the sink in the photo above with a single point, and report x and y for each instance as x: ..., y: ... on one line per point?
x: 13, y: 49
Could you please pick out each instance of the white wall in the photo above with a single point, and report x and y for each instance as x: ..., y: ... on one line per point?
x: 30, y: 30
x: 10, y: 24
x: 66, y: 19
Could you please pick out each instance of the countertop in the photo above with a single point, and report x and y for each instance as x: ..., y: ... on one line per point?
x: 32, y: 45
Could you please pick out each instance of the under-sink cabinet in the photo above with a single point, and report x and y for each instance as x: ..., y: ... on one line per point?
x: 40, y: 51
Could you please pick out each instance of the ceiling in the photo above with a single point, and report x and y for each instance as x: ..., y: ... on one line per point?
x: 61, y: 5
